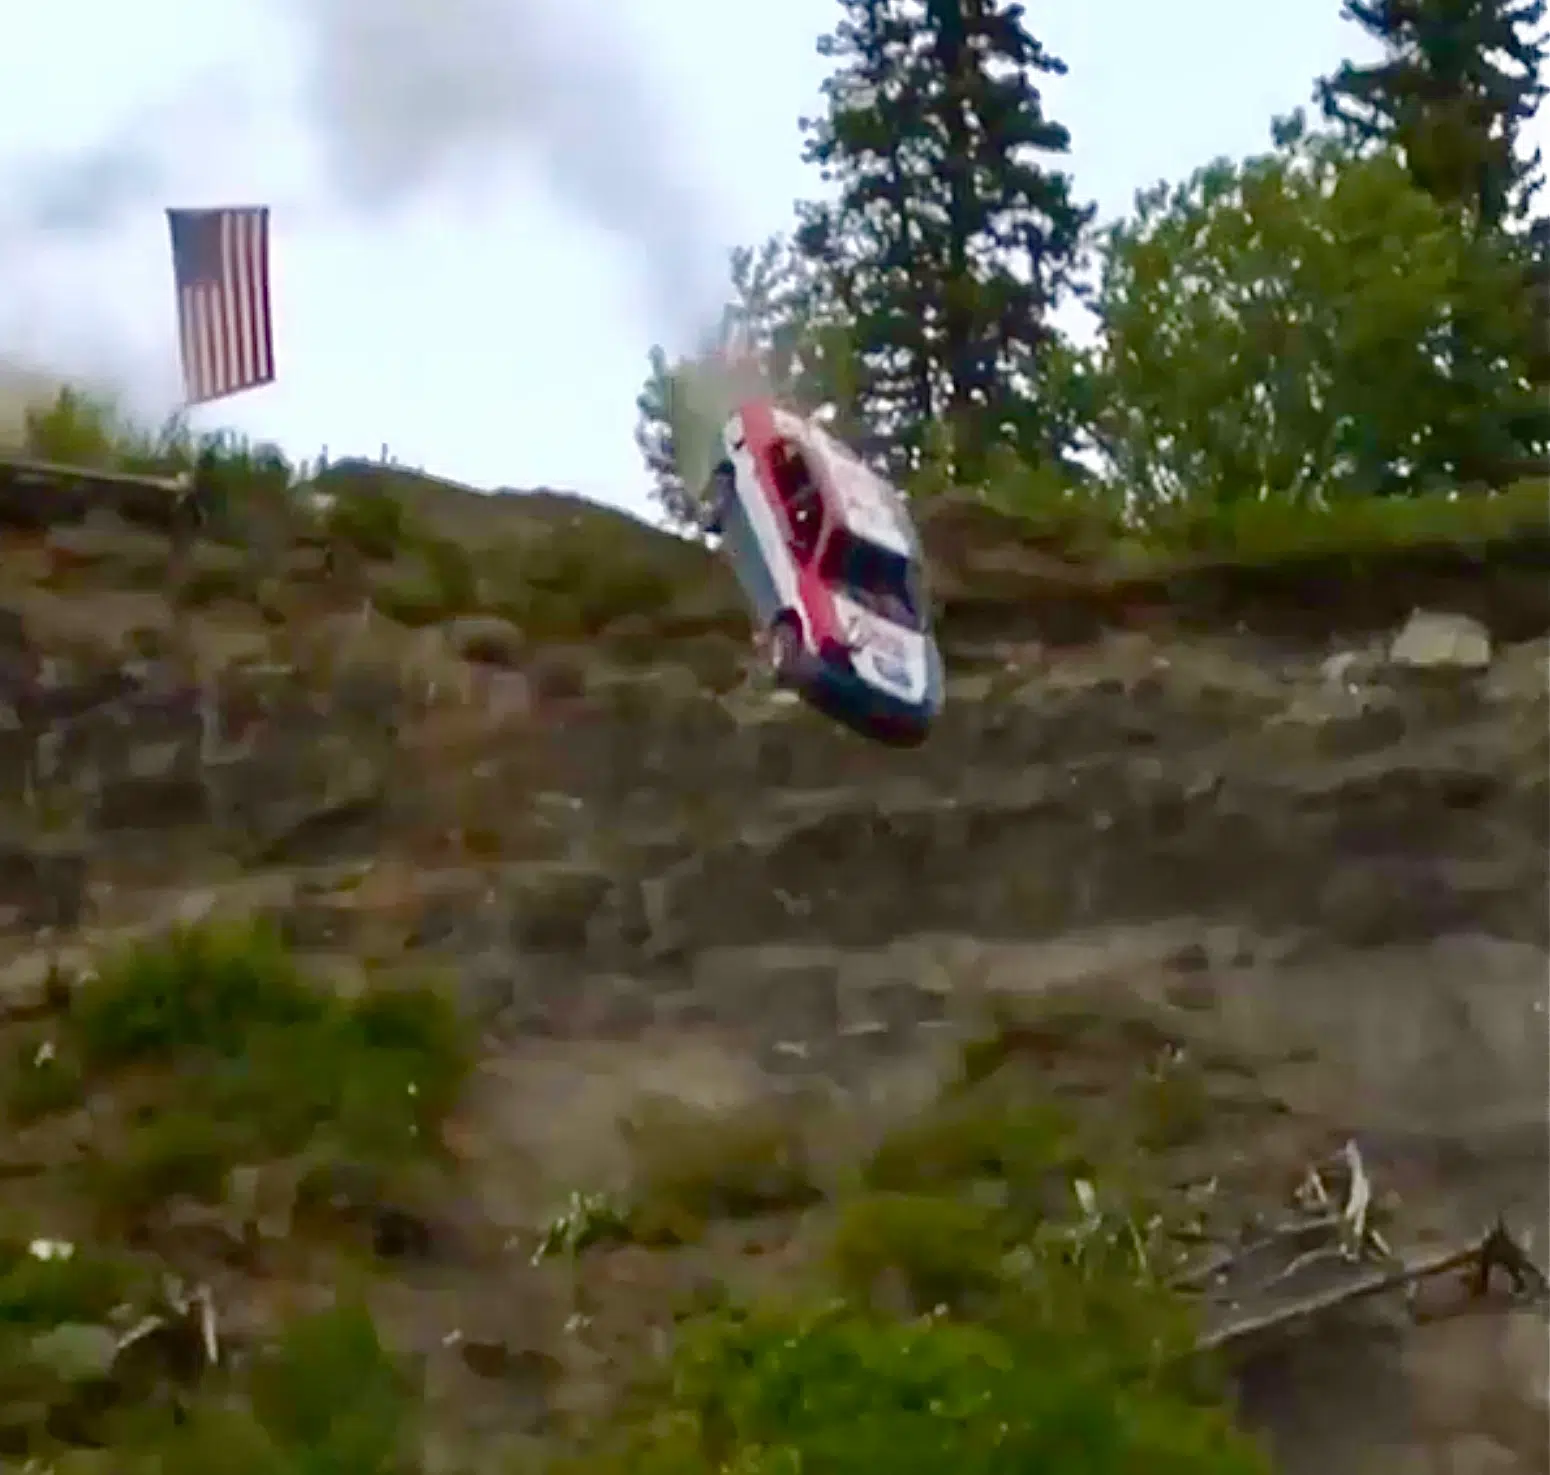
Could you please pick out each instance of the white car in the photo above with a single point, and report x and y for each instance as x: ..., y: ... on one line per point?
x: 830, y: 562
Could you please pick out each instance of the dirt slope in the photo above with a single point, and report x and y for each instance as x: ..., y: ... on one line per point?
x: 1246, y: 804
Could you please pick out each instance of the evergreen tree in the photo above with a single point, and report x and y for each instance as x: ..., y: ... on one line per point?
x: 655, y: 440
x: 867, y: 245
x: 1011, y: 232
x: 951, y: 236
x: 1457, y: 82
x: 763, y: 322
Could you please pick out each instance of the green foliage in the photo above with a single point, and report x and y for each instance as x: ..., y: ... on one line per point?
x: 1274, y: 529
x: 972, y: 1137
x: 332, y: 1398
x: 199, y: 989
x: 983, y: 1300
x: 215, y: 573
x: 933, y: 1251
x: 44, y: 1286
x: 78, y: 429
x: 56, y: 1303
x: 93, y: 431
x: 368, y: 519
x: 1456, y: 86
x: 693, y: 1168
x: 655, y: 440
x: 433, y: 580
x: 38, y: 1082
x: 324, y: 1398
x: 1080, y: 517
x: 237, y: 1057
x: 580, y: 578
x: 836, y: 1391
x: 951, y: 236
x: 760, y: 345
x: 1291, y: 328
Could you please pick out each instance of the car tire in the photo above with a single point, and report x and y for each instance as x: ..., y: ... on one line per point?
x: 723, y: 490
x: 786, y: 654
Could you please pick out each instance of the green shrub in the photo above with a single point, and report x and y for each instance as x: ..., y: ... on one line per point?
x: 173, y: 1152
x: 409, y: 597
x: 932, y: 1250
x: 451, y: 574
x: 44, y: 1287
x: 332, y: 1397
x: 694, y: 1167
x: 196, y: 989
x: 1278, y: 527
x: 39, y: 1081
x: 368, y: 519
x: 836, y: 1391
x: 433, y: 580
x: 579, y: 579
x: 213, y: 582
x: 234, y: 1056
x: 327, y: 1398
x: 1090, y: 521
x: 92, y: 430
x: 988, y: 1137
x: 79, y: 429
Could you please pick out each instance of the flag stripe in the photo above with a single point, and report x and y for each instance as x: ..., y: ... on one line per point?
x: 221, y: 263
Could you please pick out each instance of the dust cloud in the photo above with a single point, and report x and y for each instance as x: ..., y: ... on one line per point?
x: 408, y: 94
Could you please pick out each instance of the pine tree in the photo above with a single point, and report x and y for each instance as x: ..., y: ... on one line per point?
x: 1457, y: 82
x: 866, y: 246
x: 655, y: 440
x: 764, y: 320
x: 1013, y: 228
x: 951, y: 237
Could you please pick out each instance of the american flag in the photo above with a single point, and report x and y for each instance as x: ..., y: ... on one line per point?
x: 220, y: 259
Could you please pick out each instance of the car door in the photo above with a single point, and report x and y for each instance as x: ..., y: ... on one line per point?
x: 735, y: 484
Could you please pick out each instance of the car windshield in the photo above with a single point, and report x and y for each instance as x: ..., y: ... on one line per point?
x: 879, y: 580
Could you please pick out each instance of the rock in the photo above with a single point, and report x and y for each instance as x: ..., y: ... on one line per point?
x: 356, y: 1194
x: 1353, y: 669
x: 324, y: 829
x: 299, y: 799
x: 154, y: 801
x: 487, y: 984
x: 369, y: 693
x: 1479, y: 1454
x: 788, y: 992
x: 558, y: 676
x: 32, y: 498
x: 1341, y: 667
x: 45, y: 884
x: 1521, y: 673
x: 107, y: 539
x: 486, y: 640
x: 1432, y: 641
x: 552, y: 905
x: 75, y: 1352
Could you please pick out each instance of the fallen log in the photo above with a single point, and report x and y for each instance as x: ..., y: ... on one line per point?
x: 40, y: 494
x: 1496, y: 1250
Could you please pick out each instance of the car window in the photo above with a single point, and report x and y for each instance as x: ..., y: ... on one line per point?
x: 800, y: 495
x: 879, y: 580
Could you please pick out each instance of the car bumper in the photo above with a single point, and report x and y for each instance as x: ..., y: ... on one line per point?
x: 846, y: 698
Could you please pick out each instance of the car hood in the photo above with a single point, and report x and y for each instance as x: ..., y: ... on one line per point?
x: 886, y: 656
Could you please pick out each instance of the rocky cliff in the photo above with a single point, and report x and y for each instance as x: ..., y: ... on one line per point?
x: 1288, y: 823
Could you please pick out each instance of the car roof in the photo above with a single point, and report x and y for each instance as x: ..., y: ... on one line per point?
x: 863, y: 502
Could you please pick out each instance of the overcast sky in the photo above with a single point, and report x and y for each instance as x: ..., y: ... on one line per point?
x: 487, y: 210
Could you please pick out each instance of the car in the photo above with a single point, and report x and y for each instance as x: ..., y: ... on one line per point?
x: 831, y: 565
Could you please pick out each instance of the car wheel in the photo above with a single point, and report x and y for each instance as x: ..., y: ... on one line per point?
x: 786, y: 654
x: 723, y: 489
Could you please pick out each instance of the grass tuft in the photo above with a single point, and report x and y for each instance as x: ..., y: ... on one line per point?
x: 219, y: 1052
x: 695, y: 1168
